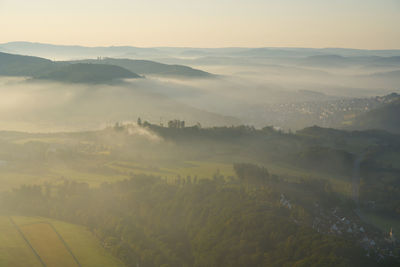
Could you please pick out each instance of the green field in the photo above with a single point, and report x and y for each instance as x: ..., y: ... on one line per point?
x: 48, y: 245
x: 16, y: 175
x: 340, y: 184
x: 95, y: 158
x: 14, y: 251
x: 56, y: 243
x: 96, y: 172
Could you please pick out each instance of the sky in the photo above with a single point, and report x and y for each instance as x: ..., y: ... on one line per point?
x: 364, y: 24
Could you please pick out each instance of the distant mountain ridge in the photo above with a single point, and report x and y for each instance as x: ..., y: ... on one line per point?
x: 45, y: 50
x: 39, y: 49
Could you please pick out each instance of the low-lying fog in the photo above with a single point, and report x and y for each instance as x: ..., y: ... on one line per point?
x: 28, y: 105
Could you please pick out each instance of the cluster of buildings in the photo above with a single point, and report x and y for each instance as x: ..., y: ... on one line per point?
x: 329, y: 113
x: 337, y: 222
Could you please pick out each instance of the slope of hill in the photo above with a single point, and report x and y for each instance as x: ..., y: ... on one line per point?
x: 40, y: 68
x: 89, y: 73
x: 147, y: 67
x: 17, y: 65
x: 383, y: 118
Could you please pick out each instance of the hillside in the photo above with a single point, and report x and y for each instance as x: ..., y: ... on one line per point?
x: 147, y: 67
x: 383, y: 118
x: 89, y: 73
x: 40, y: 68
x: 17, y: 65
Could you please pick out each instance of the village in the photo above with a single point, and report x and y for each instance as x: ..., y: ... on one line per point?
x: 376, y: 244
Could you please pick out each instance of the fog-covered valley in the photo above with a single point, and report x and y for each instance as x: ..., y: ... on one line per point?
x: 244, y: 86
x: 28, y: 105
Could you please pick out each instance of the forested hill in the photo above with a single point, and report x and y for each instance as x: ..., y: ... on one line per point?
x: 17, y: 65
x: 386, y: 118
x: 147, y: 67
x: 89, y: 73
x: 40, y: 68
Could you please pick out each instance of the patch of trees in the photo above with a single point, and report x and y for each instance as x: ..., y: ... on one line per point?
x: 326, y: 159
x: 176, y: 124
x: 251, y: 175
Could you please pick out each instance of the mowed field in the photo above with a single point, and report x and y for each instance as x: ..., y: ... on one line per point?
x: 35, y: 241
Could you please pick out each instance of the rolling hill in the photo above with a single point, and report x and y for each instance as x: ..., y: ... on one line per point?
x: 89, y: 73
x: 17, y: 65
x: 40, y: 68
x: 383, y: 118
x: 147, y: 67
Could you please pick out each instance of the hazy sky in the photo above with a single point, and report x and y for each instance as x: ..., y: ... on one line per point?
x: 372, y: 24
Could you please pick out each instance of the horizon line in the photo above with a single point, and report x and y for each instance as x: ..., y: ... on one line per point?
x: 199, y: 47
